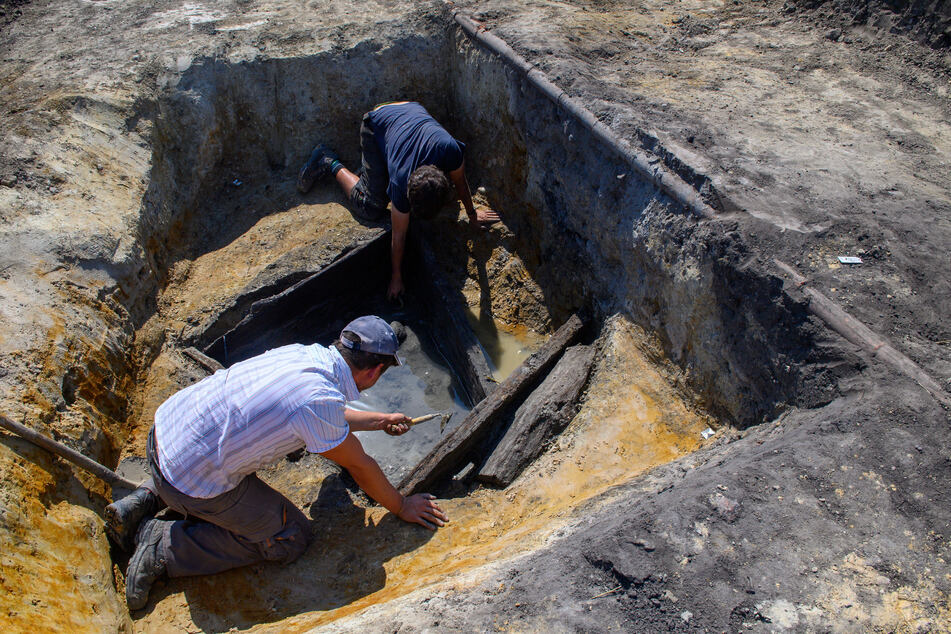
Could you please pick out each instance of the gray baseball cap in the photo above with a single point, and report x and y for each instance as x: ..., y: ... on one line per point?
x: 375, y: 336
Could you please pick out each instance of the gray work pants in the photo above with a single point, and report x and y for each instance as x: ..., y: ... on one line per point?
x: 245, y: 525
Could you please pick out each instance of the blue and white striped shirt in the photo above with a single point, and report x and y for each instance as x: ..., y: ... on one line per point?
x: 212, y: 434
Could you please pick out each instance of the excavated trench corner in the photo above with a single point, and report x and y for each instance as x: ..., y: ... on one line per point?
x: 243, y: 264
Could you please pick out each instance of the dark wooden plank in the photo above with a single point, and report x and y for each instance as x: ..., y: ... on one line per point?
x: 451, y: 331
x: 544, y: 414
x: 311, y: 306
x: 453, y: 451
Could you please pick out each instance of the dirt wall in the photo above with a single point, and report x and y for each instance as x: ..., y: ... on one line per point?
x: 599, y: 239
x: 228, y: 125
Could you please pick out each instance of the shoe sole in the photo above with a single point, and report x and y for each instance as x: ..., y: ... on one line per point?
x: 312, y: 172
x: 304, y: 181
x: 137, y: 603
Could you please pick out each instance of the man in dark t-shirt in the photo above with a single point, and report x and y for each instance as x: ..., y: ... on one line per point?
x: 408, y: 159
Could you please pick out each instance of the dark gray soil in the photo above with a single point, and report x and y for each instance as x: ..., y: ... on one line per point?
x: 834, y: 517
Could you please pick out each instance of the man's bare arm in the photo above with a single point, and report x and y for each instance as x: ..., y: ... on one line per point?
x: 394, y: 424
x: 482, y: 216
x: 420, y: 508
x: 400, y: 225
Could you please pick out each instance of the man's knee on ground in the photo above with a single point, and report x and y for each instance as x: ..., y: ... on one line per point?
x: 364, y: 204
x: 290, y: 543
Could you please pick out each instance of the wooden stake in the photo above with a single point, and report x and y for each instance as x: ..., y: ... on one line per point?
x: 63, y: 451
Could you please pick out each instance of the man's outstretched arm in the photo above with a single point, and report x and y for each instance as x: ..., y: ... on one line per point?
x: 394, y: 424
x: 482, y: 216
x: 419, y: 509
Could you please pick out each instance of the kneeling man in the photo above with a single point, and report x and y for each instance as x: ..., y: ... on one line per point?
x: 210, y: 438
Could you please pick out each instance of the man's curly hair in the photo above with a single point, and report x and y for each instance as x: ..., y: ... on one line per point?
x: 428, y: 190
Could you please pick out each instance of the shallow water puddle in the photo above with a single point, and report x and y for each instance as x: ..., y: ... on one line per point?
x: 505, y: 347
x: 422, y: 385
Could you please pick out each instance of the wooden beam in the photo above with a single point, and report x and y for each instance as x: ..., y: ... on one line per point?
x: 61, y: 450
x: 311, y: 308
x: 545, y: 413
x: 453, y: 451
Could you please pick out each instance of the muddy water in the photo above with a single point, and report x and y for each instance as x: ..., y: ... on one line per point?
x: 422, y: 385
x: 506, y: 347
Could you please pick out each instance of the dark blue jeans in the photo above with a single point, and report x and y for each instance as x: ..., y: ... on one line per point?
x: 368, y: 197
x: 245, y: 525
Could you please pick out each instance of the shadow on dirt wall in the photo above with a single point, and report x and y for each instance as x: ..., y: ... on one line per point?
x: 226, y: 123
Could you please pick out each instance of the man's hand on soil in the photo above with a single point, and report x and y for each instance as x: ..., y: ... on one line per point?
x: 485, y: 217
x: 422, y: 509
x: 395, y: 290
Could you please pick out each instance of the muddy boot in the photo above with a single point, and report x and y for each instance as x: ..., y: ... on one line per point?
x: 147, y: 563
x: 123, y: 516
x: 318, y: 166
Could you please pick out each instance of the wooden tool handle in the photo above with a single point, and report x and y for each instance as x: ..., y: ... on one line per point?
x: 63, y: 451
x: 423, y: 419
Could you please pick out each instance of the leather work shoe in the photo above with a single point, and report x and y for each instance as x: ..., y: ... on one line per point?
x: 146, y: 565
x: 316, y: 168
x: 123, y: 516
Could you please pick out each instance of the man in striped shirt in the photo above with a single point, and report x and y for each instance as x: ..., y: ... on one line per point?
x: 209, y: 439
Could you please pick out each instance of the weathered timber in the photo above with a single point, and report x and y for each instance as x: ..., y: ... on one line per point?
x: 207, y: 363
x: 544, y: 414
x: 451, y: 331
x: 453, y: 451
x: 313, y: 308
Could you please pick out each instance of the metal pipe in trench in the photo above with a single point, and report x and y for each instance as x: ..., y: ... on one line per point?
x: 649, y: 168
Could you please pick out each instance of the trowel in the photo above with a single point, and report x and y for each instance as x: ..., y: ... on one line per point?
x: 427, y: 417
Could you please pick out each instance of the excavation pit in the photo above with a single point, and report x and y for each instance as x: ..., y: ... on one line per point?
x: 688, y: 197
x: 446, y: 366
x: 237, y: 263
x: 565, y: 198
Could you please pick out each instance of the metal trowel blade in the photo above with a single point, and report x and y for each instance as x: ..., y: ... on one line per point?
x: 444, y: 421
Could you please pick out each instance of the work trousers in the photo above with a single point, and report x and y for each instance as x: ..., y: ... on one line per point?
x: 368, y: 197
x: 245, y: 525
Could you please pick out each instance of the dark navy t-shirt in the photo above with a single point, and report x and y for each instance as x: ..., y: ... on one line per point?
x: 409, y: 137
